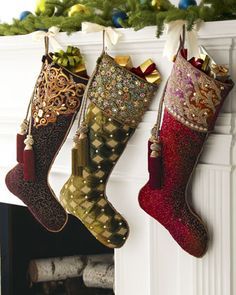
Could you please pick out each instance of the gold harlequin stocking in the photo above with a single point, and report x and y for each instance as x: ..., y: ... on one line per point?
x: 116, y: 107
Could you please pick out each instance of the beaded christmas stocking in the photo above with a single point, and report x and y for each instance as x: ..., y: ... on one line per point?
x: 192, y: 102
x: 118, y: 100
x: 56, y: 100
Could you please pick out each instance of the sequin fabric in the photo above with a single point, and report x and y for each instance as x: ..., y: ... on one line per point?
x: 181, y: 147
x: 193, y: 97
x: 48, y: 139
x: 119, y: 93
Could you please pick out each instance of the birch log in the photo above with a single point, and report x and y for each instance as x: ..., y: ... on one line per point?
x: 61, y: 268
x: 54, y: 269
x: 99, y: 275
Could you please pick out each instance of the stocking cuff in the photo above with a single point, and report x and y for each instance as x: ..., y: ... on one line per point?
x: 57, y: 92
x: 193, y: 97
x: 120, y: 93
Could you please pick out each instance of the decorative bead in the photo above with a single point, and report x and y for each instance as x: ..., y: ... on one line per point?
x: 96, y: 151
x: 99, y: 167
x: 84, y: 181
x: 101, y: 181
x: 108, y: 241
x: 86, y: 197
x: 120, y: 223
x: 91, y: 227
x: 111, y: 135
x: 104, y: 226
x: 109, y: 119
x: 124, y: 238
x: 154, y: 154
x: 102, y: 209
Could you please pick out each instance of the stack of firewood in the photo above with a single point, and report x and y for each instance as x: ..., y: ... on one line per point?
x: 73, y: 275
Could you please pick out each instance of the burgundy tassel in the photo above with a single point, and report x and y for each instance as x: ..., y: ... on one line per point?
x: 20, y: 145
x: 29, y: 161
x: 154, y: 164
x: 20, y: 138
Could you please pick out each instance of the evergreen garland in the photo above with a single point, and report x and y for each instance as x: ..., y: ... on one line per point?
x: 140, y: 13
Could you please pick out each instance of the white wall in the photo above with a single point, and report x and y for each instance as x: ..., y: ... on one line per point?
x: 12, y: 9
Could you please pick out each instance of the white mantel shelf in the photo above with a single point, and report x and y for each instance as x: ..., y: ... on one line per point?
x: 150, y: 263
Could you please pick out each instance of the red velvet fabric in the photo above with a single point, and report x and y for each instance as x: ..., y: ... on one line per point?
x: 29, y: 165
x: 181, y: 147
x: 189, y: 96
x: 20, y: 147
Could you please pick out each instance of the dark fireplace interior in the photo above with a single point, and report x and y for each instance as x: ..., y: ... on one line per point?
x: 22, y: 239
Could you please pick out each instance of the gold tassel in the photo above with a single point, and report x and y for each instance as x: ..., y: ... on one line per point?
x: 80, y: 151
x: 74, y: 161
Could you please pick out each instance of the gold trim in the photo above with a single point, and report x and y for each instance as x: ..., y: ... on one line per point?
x: 55, y: 94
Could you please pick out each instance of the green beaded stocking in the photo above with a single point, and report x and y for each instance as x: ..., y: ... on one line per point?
x: 116, y: 107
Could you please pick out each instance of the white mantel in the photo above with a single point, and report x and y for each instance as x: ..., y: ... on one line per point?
x: 150, y: 263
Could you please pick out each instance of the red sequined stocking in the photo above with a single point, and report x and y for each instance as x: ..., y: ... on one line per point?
x: 192, y: 102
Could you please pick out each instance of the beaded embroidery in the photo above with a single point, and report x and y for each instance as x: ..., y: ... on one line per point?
x: 56, y: 93
x: 119, y: 93
x: 191, y: 96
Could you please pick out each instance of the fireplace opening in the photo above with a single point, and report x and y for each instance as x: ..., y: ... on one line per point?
x: 30, y: 251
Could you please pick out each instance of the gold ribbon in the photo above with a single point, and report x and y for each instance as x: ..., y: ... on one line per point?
x: 124, y: 61
x: 155, y: 76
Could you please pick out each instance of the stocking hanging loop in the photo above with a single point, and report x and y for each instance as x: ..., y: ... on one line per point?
x: 46, y: 43
x: 182, y: 38
x: 103, y: 42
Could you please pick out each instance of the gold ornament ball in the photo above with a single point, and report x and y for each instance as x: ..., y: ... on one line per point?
x: 78, y: 8
x: 40, y: 6
x: 156, y: 3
